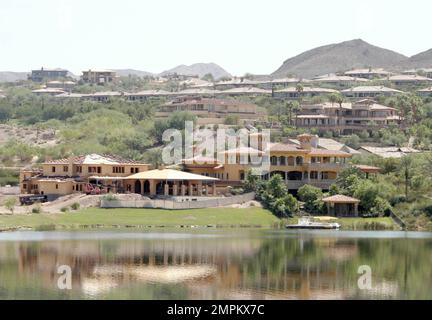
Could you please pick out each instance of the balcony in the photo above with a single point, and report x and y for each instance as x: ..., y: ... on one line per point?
x: 323, y: 166
x: 322, y: 184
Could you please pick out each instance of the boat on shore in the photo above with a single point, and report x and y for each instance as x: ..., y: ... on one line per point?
x: 309, y: 223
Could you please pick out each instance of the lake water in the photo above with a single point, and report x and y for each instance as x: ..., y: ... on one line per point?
x: 216, y: 264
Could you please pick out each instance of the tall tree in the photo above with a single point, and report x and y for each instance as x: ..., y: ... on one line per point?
x: 406, y: 165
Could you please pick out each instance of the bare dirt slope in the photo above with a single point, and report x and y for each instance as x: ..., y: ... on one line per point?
x: 29, y: 135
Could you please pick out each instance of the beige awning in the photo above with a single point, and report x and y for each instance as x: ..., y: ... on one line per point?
x: 169, y: 174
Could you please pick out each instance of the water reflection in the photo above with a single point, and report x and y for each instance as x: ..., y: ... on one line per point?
x: 216, y: 265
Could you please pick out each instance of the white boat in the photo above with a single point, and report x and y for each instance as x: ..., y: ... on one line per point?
x: 308, y: 223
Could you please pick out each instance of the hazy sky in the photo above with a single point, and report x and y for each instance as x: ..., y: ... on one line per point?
x: 241, y: 36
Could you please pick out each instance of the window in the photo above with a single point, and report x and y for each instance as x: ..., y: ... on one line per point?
x: 242, y: 175
x: 79, y: 169
x: 53, y: 169
x: 119, y: 170
x: 65, y: 168
x: 56, y: 186
x: 314, y: 175
x: 325, y: 175
x: 273, y: 160
x: 282, y: 161
x: 291, y: 161
x: 24, y: 186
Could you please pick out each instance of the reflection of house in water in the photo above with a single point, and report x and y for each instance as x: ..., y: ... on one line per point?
x: 204, y: 266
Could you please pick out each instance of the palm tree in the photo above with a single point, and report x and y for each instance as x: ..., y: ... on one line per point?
x: 406, y: 164
x: 299, y: 89
x: 339, y: 99
x: 292, y: 107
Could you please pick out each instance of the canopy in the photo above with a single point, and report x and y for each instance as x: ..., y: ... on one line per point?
x: 169, y: 174
x: 339, y: 198
x: 106, y: 178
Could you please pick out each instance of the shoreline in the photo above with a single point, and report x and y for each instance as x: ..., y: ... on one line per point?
x: 144, y: 219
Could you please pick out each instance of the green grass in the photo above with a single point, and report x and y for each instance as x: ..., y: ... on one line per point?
x: 381, y: 223
x: 127, y: 217
x: 223, y: 217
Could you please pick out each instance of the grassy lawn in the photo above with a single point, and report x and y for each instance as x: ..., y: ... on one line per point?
x: 381, y: 223
x: 223, y: 217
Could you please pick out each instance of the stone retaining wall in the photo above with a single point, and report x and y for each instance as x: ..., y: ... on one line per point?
x: 177, y: 205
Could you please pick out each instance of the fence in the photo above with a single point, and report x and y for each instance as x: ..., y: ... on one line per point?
x: 398, y: 220
x: 9, y: 190
x: 175, y: 204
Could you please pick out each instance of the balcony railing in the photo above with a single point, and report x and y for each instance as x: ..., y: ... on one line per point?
x: 323, y: 183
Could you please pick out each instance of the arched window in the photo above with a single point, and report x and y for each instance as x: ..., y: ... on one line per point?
x: 299, y: 160
x: 273, y: 160
x: 291, y: 161
x: 295, y: 175
x: 282, y: 161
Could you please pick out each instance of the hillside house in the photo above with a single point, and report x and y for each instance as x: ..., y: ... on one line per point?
x: 370, y: 92
x: 211, y: 111
x: 347, y: 117
x: 99, y: 77
x: 47, y: 74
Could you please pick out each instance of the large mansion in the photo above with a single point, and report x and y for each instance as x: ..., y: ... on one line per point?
x: 298, y: 164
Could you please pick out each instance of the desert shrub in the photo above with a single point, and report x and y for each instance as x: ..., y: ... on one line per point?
x: 109, y: 197
x: 75, y: 206
x: 37, y: 209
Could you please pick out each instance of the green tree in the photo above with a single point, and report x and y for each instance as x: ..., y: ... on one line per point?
x: 154, y: 157
x: 274, y: 196
x: 311, y: 196
x: 208, y: 77
x: 292, y: 107
x: 232, y: 119
x: 405, y: 168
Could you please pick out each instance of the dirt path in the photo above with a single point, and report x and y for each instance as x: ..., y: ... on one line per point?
x: 84, y: 201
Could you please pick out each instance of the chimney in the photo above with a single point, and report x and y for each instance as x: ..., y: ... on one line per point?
x: 308, y: 141
x: 70, y: 166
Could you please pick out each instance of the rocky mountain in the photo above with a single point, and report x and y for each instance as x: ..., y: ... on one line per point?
x: 339, y: 57
x: 10, y: 76
x: 421, y: 60
x: 199, y: 69
x: 133, y: 72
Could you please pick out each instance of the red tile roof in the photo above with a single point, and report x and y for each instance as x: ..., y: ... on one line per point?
x: 103, y: 157
x: 340, y: 198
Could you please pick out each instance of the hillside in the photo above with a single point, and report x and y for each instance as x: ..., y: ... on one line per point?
x: 339, y: 57
x: 421, y: 60
x: 9, y: 76
x: 199, y: 69
x: 138, y: 73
